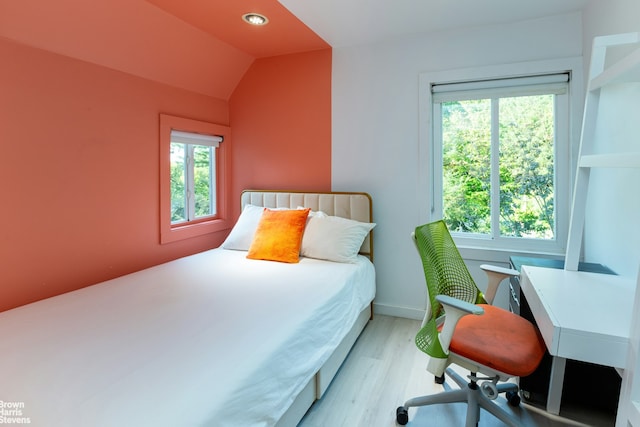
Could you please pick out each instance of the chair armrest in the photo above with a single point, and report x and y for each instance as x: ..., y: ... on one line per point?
x: 458, y: 304
x: 496, y: 275
x: 454, y: 310
x: 501, y: 270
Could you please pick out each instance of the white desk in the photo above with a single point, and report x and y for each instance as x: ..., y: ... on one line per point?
x: 581, y: 316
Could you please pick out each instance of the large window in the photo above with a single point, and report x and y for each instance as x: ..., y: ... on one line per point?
x: 193, y: 165
x: 499, y: 150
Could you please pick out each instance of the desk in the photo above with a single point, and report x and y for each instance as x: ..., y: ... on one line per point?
x: 581, y: 316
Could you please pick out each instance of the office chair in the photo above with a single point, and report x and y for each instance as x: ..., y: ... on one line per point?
x: 460, y: 327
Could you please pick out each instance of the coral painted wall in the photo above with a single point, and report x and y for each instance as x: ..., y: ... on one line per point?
x: 79, y: 172
x: 281, y: 123
x: 80, y: 156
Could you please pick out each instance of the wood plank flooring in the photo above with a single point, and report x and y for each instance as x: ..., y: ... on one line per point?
x: 383, y: 370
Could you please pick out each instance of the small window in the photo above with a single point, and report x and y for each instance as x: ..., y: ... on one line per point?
x: 192, y: 181
x: 193, y: 176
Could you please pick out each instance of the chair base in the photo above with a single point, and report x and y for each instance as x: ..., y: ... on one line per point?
x: 470, y: 393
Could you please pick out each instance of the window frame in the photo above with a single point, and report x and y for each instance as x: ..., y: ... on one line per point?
x: 190, y: 141
x: 197, y: 227
x: 431, y: 155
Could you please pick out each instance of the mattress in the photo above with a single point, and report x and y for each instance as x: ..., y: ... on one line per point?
x: 213, y: 339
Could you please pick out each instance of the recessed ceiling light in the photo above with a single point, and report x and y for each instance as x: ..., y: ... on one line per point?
x: 255, y: 18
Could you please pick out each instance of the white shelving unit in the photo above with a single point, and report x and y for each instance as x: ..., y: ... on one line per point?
x: 626, y: 70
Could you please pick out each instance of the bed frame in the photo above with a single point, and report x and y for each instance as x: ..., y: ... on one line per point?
x: 356, y: 206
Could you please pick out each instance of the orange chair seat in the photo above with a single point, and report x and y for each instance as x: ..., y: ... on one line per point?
x: 500, y: 340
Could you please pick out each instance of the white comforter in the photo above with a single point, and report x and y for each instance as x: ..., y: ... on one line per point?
x: 212, y: 339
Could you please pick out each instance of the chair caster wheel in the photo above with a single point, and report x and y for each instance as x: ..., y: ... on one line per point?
x: 513, y: 398
x: 439, y: 380
x: 402, y: 415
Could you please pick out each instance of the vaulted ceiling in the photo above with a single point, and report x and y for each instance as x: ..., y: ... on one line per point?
x: 303, y: 25
x: 284, y: 33
x: 204, y: 46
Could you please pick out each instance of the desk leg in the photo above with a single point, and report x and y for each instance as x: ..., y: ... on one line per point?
x: 555, y: 385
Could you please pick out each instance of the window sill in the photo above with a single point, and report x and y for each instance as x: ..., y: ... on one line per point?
x: 501, y: 255
x: 170, y: 234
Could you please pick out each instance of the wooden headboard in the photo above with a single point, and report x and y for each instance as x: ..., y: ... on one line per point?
x: 356, y: 206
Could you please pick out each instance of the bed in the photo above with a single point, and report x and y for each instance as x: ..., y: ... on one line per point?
x: 212, y: 339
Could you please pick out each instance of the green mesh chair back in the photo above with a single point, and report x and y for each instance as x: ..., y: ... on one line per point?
x: 446, y: 274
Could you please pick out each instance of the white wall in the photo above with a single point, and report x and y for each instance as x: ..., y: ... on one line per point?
x: 376, y: 129
x: 612, y: 232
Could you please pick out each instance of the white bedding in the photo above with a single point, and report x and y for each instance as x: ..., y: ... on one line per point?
x: 213, y: 339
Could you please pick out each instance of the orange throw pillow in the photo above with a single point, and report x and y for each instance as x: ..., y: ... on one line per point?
x: 279, y: 235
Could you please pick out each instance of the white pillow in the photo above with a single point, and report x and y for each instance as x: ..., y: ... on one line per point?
x: 242, y: 233
x: 333, y: 238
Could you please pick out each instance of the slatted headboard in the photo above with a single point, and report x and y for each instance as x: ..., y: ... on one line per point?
x: 356, y: 206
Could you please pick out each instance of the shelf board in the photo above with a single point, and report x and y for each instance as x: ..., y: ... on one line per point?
x: 624, y: 71
x: 614, y: 160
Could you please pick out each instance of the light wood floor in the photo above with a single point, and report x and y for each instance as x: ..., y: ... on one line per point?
x: 374, y: 378
x: 383, y: 370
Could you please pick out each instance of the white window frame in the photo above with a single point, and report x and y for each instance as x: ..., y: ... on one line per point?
x: 220, y: 221
x: 566, y: 151
x: 190, y: 141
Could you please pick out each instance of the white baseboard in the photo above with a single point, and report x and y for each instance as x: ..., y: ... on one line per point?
x: 392, y: 310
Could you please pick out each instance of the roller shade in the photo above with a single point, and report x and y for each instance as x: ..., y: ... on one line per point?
x: 195, y: 138
x: 494, y: 88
